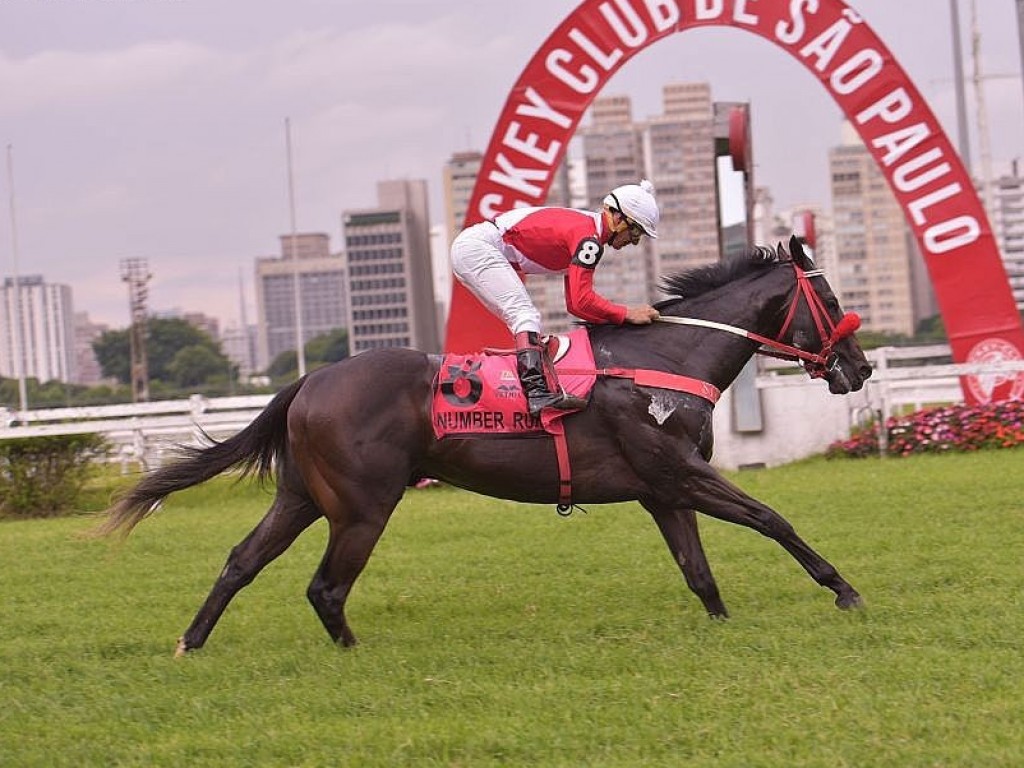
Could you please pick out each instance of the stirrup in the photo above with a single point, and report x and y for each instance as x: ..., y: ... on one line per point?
x: 560, y: 401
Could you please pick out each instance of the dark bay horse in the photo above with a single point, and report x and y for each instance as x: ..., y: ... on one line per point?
x: 345, y: 441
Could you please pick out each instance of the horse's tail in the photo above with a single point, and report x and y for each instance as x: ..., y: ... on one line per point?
x: 255, y: 449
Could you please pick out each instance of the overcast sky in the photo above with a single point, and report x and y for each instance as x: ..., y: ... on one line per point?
x: 155, y: 128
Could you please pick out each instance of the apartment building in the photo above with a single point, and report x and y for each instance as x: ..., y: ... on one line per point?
x: 390, y: 284
x: 37, y: 329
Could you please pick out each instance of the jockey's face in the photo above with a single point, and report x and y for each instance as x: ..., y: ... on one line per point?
x: 624, y: 231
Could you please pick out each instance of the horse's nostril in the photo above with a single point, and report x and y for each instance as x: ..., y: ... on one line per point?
x: 865, y: 371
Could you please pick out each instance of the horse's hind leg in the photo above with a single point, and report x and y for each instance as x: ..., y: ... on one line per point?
x: 355, y: 530
x: 345, y: 558
x: 679, y: 529
x: 289, y: 516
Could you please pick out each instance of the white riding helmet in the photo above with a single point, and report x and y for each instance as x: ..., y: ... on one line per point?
x: 637, y: 202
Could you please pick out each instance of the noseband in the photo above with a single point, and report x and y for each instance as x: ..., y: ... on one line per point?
x: 817, y: 364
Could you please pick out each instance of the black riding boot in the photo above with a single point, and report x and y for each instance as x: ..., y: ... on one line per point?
x: 532, y: 367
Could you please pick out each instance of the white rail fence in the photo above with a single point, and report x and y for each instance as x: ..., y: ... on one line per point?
x: 141, y: 433
x: 800, y: 417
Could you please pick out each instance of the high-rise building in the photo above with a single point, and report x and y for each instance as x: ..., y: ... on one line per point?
x: 45, y: 318
x: 881, y: 274
x: 681, y: 161
x: 87, y: 367
x: 613, y: 152
x: 441, y: 271
x: 322, y: 294
x: 1008, y: 224
x: 460, y: 172
x: 387, y: 252
x: 459, y: 178
x: 238, y: 343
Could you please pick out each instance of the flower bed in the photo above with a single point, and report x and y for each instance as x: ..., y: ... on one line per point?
x: 938, y: 430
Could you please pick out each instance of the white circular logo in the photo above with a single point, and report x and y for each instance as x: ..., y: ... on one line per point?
x: 989, y: 387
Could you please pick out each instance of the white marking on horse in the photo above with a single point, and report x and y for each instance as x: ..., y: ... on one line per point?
x: 662, y: 406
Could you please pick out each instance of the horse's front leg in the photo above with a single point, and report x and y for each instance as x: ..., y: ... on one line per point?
x: 679, y: 529
x: 710, y: 493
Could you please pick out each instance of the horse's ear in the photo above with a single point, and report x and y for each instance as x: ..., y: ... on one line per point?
x: 780, y: 249
x: 802, y: 259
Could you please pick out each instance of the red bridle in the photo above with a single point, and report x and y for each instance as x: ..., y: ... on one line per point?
x: 815, y: 363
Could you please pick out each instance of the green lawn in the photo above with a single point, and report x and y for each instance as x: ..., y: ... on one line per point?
x: 497, y: 634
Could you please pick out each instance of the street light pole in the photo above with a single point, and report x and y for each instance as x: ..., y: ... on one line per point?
x: 1020, y: 36
x: 300, y: 352
x: 16, y: 320
x: 963, y: 143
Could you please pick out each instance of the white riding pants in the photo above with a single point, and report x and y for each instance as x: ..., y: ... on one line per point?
x: 480, y: 263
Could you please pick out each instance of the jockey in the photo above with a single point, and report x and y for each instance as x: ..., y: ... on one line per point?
x: 489, y: 257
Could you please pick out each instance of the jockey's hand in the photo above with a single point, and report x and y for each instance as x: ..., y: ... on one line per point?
x: 641, y: 315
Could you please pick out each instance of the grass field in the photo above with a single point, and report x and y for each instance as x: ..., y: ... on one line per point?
x: 496, y: 634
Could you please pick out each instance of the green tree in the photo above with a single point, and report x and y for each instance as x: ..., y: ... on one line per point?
x: 195, y: 365
x: 329, y: 347
x: 43, y: 476
x: 322, y: 350
x: 930, y: 329
x: 875, y: 339
x: 286, y: 364
x: 165, y: 338
x: 113, y: 353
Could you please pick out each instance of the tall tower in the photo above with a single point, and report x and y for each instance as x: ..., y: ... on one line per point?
x: 135, y: 272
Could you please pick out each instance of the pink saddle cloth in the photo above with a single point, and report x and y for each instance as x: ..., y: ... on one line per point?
x: 479, y: 394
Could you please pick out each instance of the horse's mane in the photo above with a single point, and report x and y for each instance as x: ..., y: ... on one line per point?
x: 700, y: 280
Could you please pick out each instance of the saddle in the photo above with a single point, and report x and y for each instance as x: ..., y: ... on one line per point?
x: 479, y: 395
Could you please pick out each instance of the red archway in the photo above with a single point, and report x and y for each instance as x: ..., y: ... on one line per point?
x: 835, y: 43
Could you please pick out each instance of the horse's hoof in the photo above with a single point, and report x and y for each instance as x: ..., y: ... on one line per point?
x: 849, y: 602
x: 181, y: 649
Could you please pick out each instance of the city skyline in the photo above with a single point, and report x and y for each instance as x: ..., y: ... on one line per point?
x: 155, y: 129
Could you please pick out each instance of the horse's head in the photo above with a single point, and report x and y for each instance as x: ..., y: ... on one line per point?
x: 816, y: 325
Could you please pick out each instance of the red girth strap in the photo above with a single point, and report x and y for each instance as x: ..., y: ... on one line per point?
x: 557, y: 431
x: 657, y: 379
x: 643, y: 378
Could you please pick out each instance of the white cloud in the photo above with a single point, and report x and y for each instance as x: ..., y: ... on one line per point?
x: 383, y: 60
x: 63, y: 80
